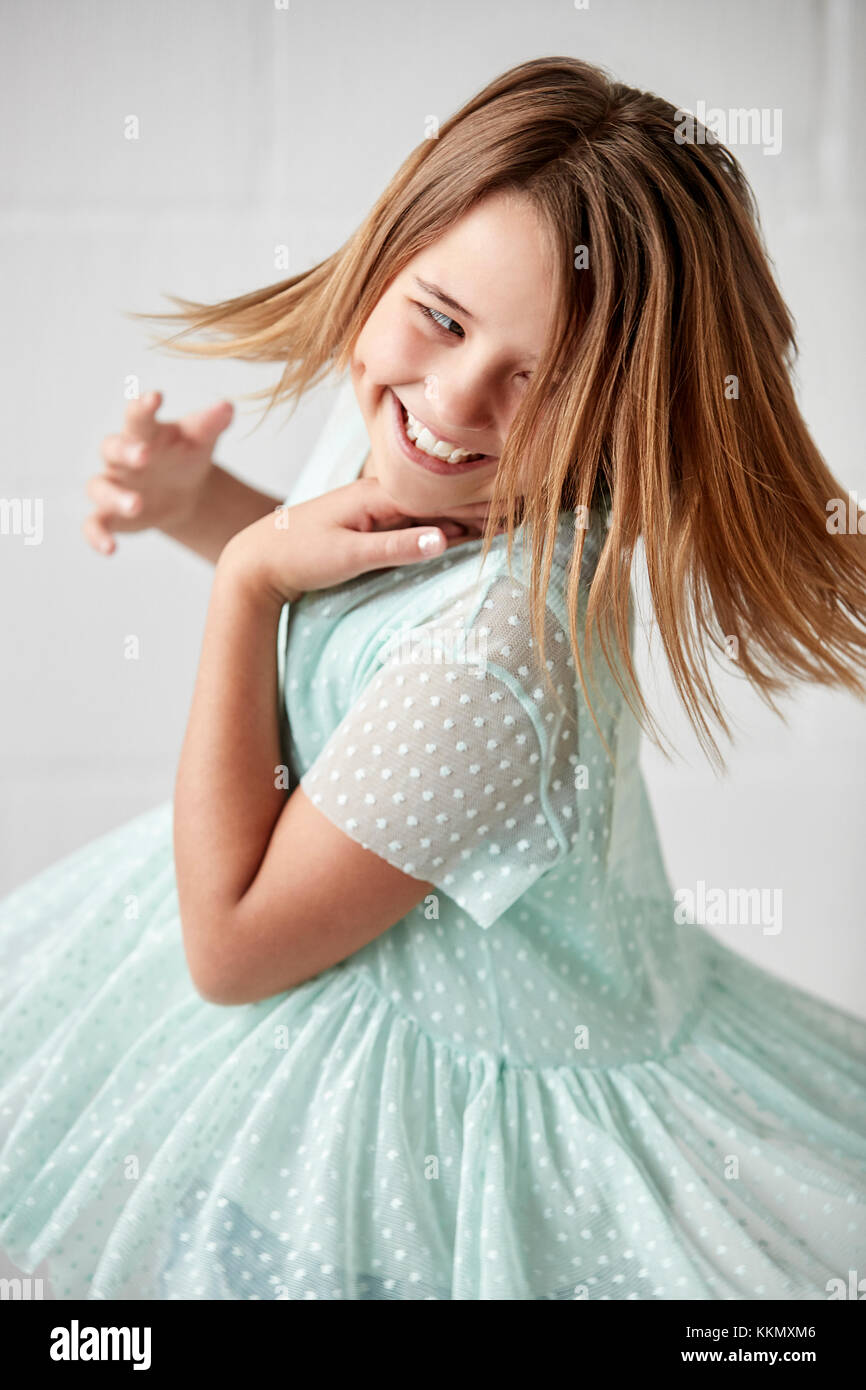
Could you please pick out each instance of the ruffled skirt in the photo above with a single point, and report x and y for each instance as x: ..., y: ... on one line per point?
x: 320, y: 1144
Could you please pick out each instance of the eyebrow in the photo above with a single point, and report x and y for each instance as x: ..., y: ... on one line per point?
x: 439, y: 293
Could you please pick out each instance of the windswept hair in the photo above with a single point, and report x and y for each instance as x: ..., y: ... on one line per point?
x: 664, y: 397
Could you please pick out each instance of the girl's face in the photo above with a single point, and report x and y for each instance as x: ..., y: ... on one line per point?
x: 453, y: 341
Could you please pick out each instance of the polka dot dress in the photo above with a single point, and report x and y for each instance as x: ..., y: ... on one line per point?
x: 537, y: 1085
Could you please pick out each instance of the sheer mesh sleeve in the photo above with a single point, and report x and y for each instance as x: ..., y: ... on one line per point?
x: 457, y: 763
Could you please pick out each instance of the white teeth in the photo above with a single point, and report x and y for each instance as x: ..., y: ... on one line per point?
x: 429, y: 444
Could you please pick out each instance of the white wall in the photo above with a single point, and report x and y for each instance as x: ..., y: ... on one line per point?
x: 262, y: 126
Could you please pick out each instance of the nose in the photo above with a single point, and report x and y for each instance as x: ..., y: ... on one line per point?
x: 459, y: 406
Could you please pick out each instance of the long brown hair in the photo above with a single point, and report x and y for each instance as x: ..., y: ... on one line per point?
x: 665, y: 396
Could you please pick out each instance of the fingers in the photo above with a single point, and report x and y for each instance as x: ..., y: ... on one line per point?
x: 381, y: 549
x: 139, y: 420
x: 365, y: 505
x: 401, y: 546
x: 111, y: 500
x: 127, y: 451
x: 97, y: 535
x: 123, y: 454
x: 203, y: 427
x: 131, y: 448
x: 380, y: 534
x: 113, y: 505
x: 418, y: 543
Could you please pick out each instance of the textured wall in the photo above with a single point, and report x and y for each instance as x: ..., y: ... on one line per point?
x: 262, y: 126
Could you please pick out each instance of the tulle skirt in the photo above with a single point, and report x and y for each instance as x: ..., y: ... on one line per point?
x: 320, y: 1144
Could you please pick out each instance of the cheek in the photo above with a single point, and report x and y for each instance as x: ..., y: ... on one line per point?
x: 392, y: 350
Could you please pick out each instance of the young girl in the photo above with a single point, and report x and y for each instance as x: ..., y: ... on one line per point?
x: 393, y: 1001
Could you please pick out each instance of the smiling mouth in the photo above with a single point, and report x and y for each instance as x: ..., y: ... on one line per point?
x: 415, y: 428
x: 433, y: 462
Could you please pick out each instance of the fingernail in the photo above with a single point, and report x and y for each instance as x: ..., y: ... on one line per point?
x: 430, y: 541
x: 105, y: 546
x: 128, y: 503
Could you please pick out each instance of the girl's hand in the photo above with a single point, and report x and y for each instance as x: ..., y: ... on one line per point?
x: 155, y: 472
x: 344, y: 533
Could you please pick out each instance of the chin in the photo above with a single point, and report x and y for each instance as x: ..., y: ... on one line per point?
x: 416, y: 496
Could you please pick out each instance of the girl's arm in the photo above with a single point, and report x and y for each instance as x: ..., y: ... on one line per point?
x: 226, y: 506
x: 271, y: 892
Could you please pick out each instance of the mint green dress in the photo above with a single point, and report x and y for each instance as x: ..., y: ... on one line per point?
x: 537, y: 1085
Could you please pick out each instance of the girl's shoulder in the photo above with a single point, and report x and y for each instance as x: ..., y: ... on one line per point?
x: 492, y: 597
